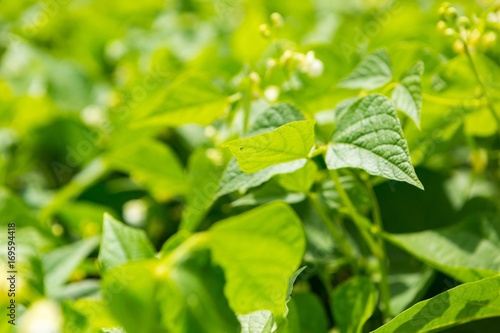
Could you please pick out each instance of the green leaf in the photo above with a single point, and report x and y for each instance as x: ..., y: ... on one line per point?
x: 198, y: 291
x: 204, y: 176
x: 407, y: 95
x: 462, y: 304
x: 257, y: 322
x: 287, y: 143
x: 373, y: 72
x: 121, y: 244
x: 233, y: 179
x: 292, y: 282
x: 464, y: 251
x: 59, y: 264
x: 310, y: 312
x: 274, y: 117
x: 268, y: 192
x: 300, y: 180
x: 191, y: 99
x: 153, y: 164
x: 353, y: 304
x: 259, y: 251
x: 181, y: 294
x: 369, y: 137
x: 133, y: 296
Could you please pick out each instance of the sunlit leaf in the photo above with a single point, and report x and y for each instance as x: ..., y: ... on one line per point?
x: 287, y: 143
x: 369, y: 137
x: 259, y: 251
x: 462, y: 304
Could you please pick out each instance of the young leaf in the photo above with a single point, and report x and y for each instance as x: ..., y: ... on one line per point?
x: 287, y: 143
x: 373, y: 72
x: 121, y: 244
x: 259, y: 251
x: 407, y: 95
x: 61, y: 262
x: 353, y: 304
x: 369, y: 137
x: 463, y: 251
x: 191, y: 99
x: 462, y: 304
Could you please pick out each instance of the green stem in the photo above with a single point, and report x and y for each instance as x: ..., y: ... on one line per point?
x: 490, y: 105
x: 389, y: 87
x: 366, y: 229
x: 385, y: 292
x: 335, y: 232
x: 96, y: 169
x: 247, y: 105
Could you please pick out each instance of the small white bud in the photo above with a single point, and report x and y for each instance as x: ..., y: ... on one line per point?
x: 277, y: 20
x: 255, y: 78
x: 315, y: 68
x: 93, y: 115
x: 134, y: 212
x: 272, y: 93
x: 271, y: 63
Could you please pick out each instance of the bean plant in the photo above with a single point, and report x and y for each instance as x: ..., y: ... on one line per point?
x: 231, y: 166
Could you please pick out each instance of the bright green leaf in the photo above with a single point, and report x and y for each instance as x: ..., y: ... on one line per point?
x: 287, y: 143
x: 465, y: 303
x: 121, y: 244
x: 189, y: 100
x: 373, y: 72
x: 353, y: 304
x: 259, y: 251
x: 369, y: 137
x: 407, y: 95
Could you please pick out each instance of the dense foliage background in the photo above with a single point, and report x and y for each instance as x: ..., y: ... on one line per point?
x: 133, y: 110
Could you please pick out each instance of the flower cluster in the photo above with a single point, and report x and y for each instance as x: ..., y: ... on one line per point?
x: 288, y: 62
x: 473, y: 34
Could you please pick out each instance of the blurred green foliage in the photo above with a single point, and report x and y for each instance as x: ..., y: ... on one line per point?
x: 124, y: 107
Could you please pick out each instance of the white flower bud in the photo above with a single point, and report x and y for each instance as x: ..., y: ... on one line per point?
x: 277, y: 20
x: 272, y: 93
x: 315, y: 68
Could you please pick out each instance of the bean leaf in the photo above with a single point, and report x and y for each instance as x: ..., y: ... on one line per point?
x: 369, y: 137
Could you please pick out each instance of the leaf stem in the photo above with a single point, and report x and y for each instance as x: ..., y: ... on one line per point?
x: 485, y: 93
x: 366, y: 229
x: 335, y: 231
x: 385, y: 292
